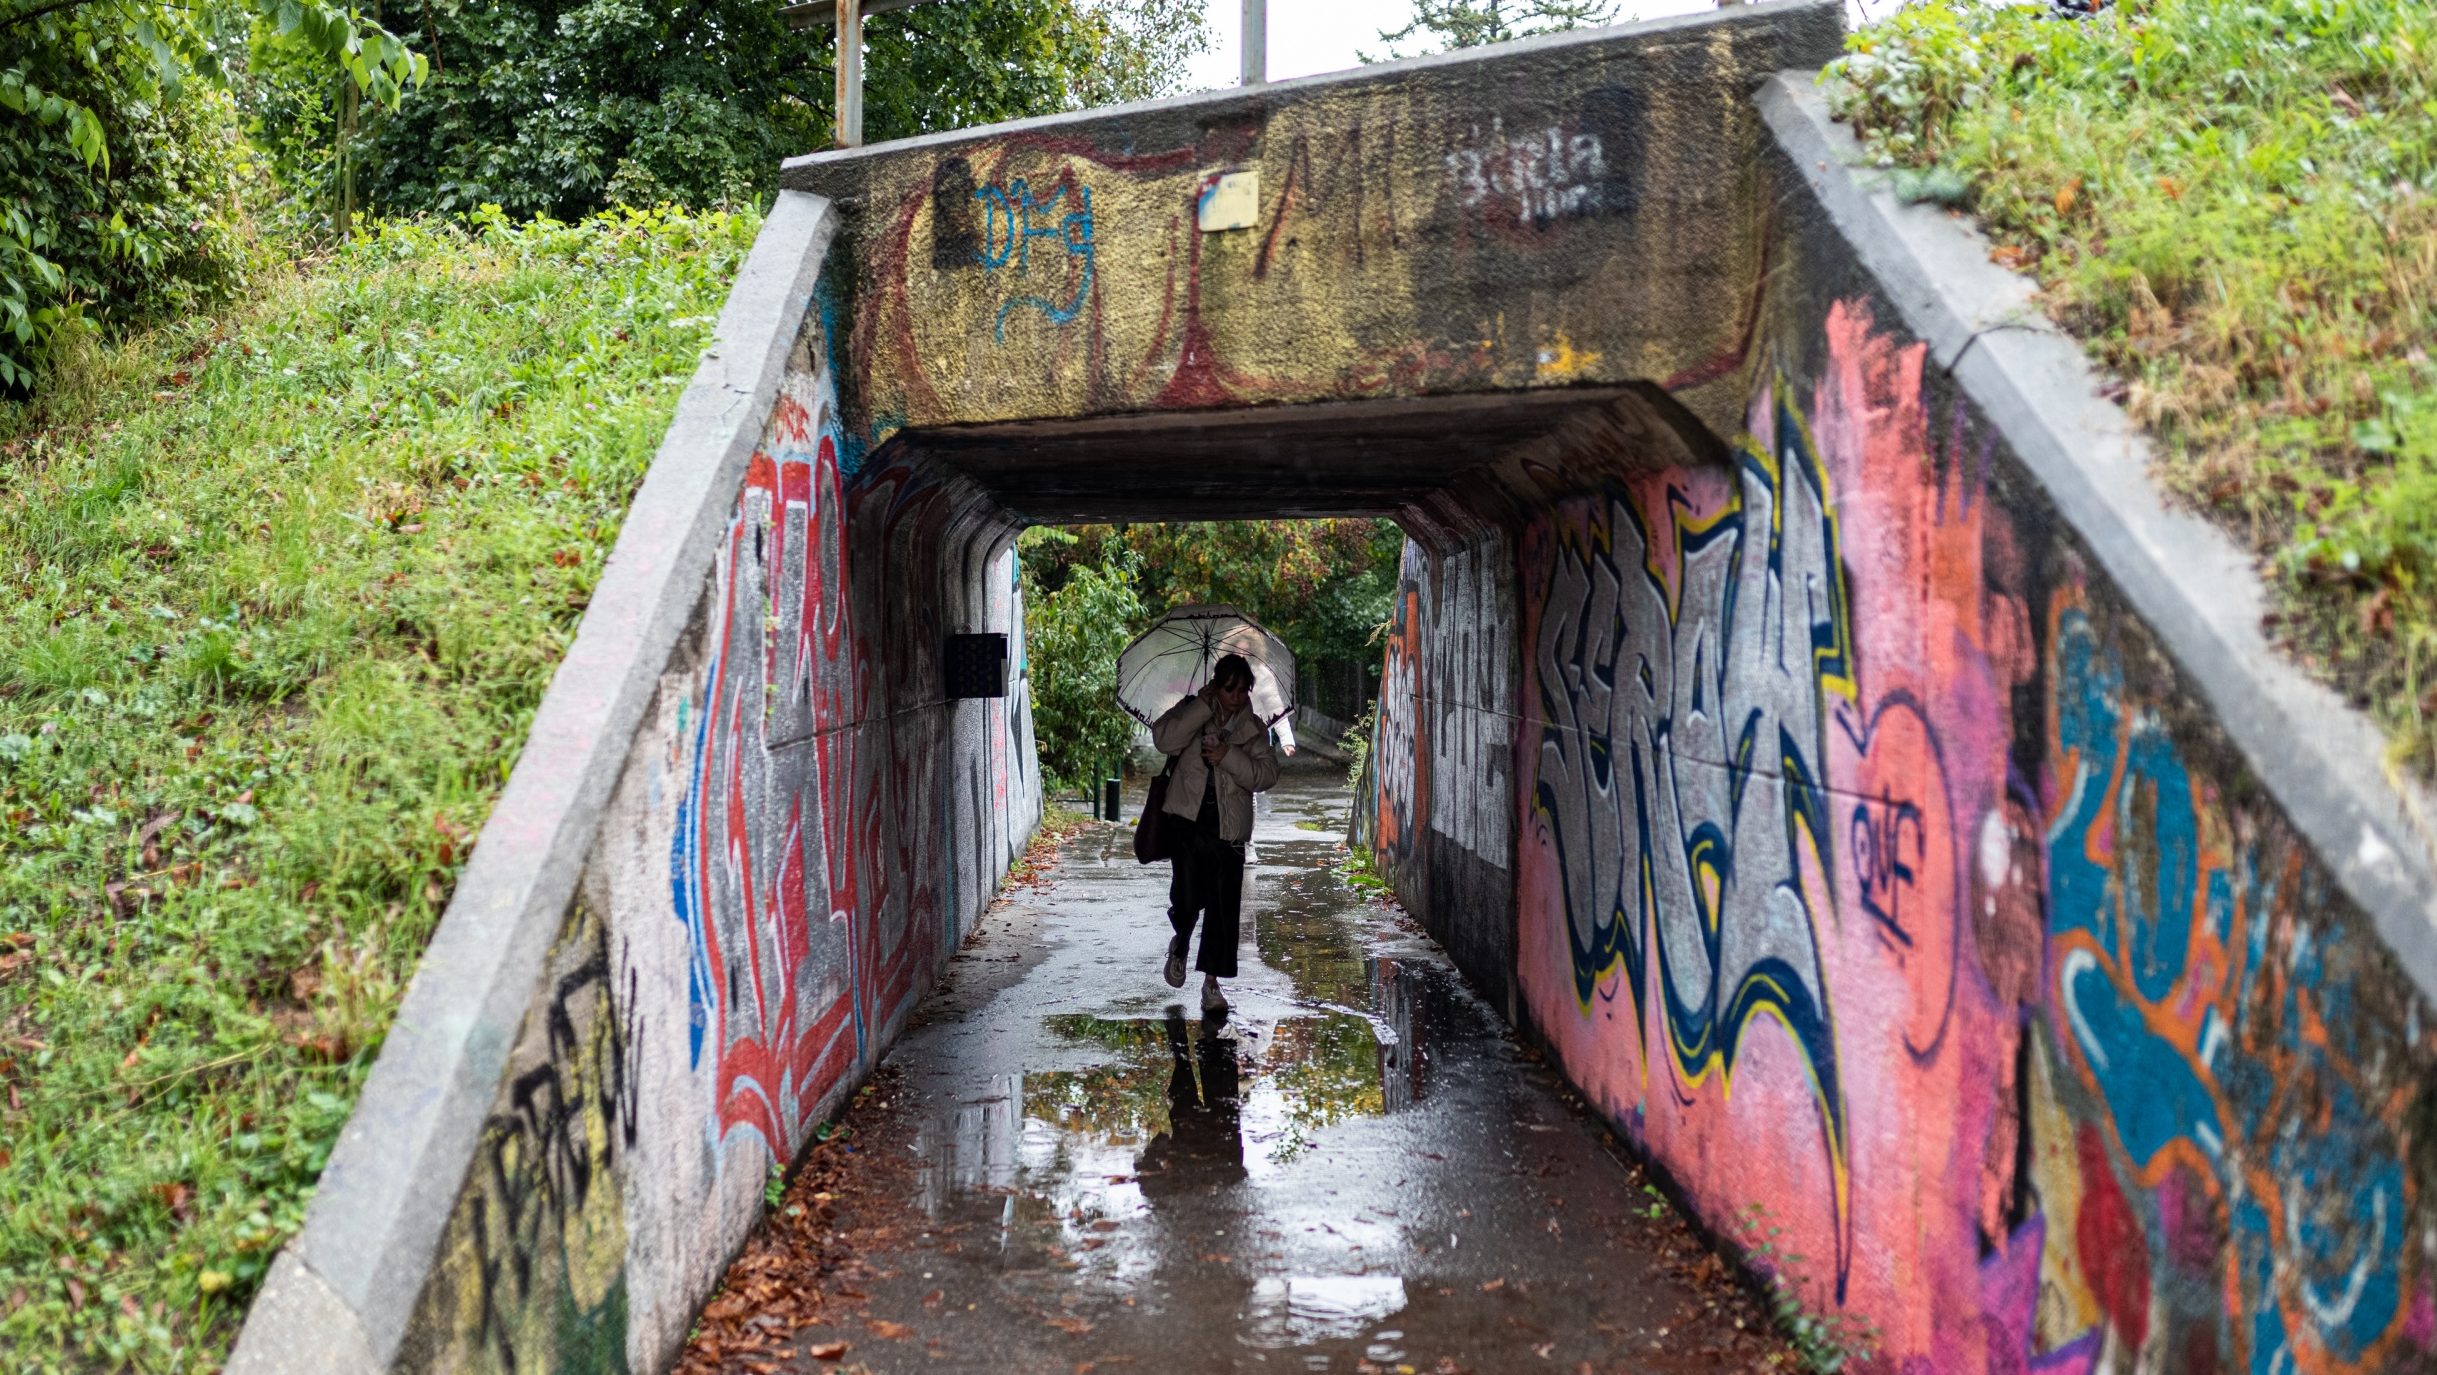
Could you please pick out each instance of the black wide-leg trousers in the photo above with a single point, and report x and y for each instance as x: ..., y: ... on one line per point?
x: 1206, y: 881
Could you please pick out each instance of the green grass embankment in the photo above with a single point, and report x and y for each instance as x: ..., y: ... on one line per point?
x: 279, y: 592
x: 2233, y: 203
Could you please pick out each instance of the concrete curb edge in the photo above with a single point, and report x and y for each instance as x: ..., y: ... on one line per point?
x: 2198, y: 591
x: 341, y: 1294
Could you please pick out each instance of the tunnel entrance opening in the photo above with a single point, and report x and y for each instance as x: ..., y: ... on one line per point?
x: 1322, y: 587
x: 1463, y: 475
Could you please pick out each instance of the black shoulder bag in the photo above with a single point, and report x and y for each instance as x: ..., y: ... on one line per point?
x: 1152, y: 842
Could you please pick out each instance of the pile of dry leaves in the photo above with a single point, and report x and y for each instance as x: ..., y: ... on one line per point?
x: 797, y: 1289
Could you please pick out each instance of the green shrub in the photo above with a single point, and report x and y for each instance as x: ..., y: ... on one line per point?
x: 1074, y: 630
x: 121, y: 156
x: 562, y: 107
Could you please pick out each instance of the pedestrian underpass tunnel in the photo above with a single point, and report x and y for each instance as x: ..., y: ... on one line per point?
x: 1799, y: 718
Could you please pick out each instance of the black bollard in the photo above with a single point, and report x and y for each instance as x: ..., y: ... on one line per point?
x: 1108, y: 800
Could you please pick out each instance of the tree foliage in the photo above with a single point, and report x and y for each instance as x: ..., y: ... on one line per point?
x: 561, y: 107
x: 120, y: 157
x: 129, y: 185
x: 1441, y: 24
x: 1323, y: 585
x: 1075, y: 627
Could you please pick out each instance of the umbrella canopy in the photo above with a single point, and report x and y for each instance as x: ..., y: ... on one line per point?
x: 1172, y: 659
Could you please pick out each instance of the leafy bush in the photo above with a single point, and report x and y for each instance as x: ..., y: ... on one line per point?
x: 121, y: 158
x: 1323, y: 585
x: 2234, y: 204
x: 562, y: 107
x: 1074, y: 629
x: 286, y: 586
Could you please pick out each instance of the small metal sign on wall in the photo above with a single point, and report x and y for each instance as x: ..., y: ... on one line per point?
x: 975, y: 665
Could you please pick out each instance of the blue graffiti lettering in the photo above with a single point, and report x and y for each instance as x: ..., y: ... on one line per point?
x: 1012, y: 217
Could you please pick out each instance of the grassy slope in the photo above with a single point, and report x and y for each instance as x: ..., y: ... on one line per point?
x: 278, y: 593
x: 2234, y: 204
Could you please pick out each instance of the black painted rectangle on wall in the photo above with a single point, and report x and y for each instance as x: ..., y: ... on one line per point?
x: 975, y: 665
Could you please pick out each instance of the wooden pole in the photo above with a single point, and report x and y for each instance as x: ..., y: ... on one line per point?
x: 850, y: 73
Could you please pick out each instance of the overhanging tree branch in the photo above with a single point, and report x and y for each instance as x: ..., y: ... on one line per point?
x: 29, y: 16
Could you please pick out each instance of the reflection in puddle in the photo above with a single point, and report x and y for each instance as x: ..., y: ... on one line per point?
x: 1301, y: 932
x: 1174, y: 1107
x: 1300, y: 1310
x: 976, y: 1151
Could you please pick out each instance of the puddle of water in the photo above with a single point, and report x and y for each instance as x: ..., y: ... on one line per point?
x: 1184, y: 1095
x: 1061, y: 1164
x: 1302, y: 933
x: 1142, y: 1142
x: 1302, y: 1310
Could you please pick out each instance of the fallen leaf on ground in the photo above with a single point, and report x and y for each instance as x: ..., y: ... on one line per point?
x: 894, y: 1331
x: 828, y: 1351
x: 1071, y: 1326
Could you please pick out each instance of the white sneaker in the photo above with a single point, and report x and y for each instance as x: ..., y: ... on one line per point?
x: 1213, y: 1001
x: 1174, y: 973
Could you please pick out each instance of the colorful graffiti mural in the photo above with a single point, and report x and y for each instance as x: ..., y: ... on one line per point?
x: 1399, y: 759
x: 1859, y: 881
x: 1044, y: 274
x: 1682, y: 733
x: 763, y: 868
x: 2213, y: 1015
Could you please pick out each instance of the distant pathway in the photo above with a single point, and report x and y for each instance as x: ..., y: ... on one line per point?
x: 1064, y: 1169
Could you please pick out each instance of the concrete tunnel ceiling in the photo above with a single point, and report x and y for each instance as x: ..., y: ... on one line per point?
x: 1379, y: 458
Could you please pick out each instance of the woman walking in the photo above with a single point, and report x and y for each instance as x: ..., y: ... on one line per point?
x: 1222, y: 758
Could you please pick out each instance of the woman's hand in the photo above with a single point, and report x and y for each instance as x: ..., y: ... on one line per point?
x: 1213, y: 751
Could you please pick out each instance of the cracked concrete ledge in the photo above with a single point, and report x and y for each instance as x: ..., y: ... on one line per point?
x: 341, y: 1293
x: 2318, y: 757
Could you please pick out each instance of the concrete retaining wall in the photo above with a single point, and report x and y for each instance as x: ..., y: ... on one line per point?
x: 747, y: 829
x: 1918, y: 854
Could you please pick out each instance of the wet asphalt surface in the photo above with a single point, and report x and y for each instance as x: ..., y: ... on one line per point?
x: 1065, y: 1167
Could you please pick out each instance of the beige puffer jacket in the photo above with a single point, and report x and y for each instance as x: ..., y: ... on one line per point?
x: 1248, y: 767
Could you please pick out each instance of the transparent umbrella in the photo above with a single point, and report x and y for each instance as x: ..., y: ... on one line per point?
x: 1172, y: 659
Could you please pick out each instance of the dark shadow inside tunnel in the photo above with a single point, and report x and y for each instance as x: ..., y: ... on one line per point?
x: 1440, y: 465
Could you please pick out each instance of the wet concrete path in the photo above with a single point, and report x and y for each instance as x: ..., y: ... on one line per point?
x: 1065, y: 1168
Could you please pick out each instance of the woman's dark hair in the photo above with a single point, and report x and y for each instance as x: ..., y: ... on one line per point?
x: 1231, y: 671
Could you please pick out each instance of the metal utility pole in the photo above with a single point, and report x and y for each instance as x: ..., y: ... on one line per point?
x: 1256, y: 42
x: 850, y: 73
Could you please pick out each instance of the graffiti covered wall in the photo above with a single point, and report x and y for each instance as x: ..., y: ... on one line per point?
x: 1446, y: 715
x: 804, y: 830
x: 1874, y: 873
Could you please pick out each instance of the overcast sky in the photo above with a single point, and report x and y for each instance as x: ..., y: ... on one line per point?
x: 1307, y: 36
